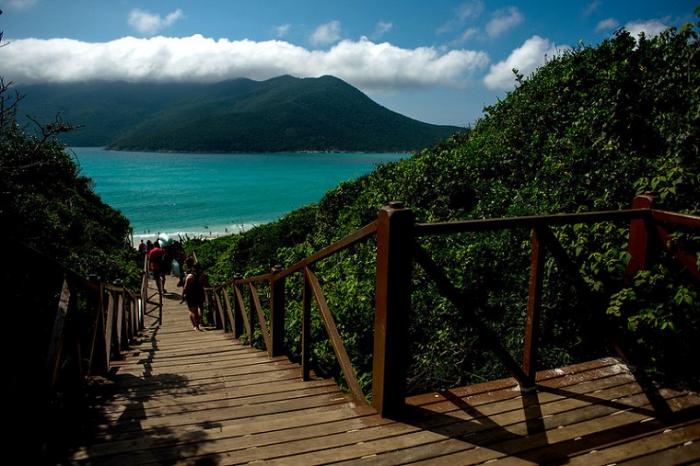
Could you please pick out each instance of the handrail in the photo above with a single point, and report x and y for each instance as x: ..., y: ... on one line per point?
x: 397, y: 249
x: 344, y: 243
x: 675, y: 218
x: 440, y: 228
x: 86, y: 342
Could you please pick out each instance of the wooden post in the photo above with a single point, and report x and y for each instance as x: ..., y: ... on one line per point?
x: 639, y: 237
x: 220, y: 313
x: 277, y: 312
x: 109, y: 325
x: 55, y: 354
x: 118, y: 318
x: 534, y: 301
x: 306, y: 327
x: 229, y: 311
x: 237, y: 312
x: 395, y: 237
x: 97, y: 357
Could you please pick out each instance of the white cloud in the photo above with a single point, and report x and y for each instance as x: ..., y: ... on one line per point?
x: 526, y: 59
x: 467, y: 35
x: 607, y: 25
x: 18, y: 4
x: 504, y: 20
x: 326, y: 34
x: 363, y: 63
x: 382, y: 28
x: 591, y: 8
x: 464, y: 12
x: 650, y: 28
x: 471, y: 9
x: 283, y: 30
x: 150, y: 23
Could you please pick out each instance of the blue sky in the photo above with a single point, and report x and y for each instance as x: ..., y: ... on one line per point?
x: 437, y: 61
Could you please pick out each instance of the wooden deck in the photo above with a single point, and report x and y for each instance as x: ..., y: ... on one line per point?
x: 185, y: 397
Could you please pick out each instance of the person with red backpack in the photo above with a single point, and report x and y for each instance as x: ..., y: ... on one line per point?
x: 155, y: 265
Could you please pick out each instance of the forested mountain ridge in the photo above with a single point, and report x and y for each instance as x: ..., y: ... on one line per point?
x: 588, y: 131
x: 241, y: 115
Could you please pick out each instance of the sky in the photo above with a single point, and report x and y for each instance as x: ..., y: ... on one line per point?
x: 437, y: 61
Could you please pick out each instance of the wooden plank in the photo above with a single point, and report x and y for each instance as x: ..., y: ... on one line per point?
x: 139, y: 411
x: 211, y: 416
x: 675, y: 218
x: 334, y: 337
x: 277, y: 312
x: 196, y: 360
x: 229, y: 312
x: 306, y: 328
x: 219, y: 309
x: 244, y: 313
x: 109, y: 321
x: 119, y: 320
x: 568, y: 437
x: 246, y: 394
x: 152, y: 389
x: 388, y: 439
x: 441, y: 228
x: 206, y: 367
x: 95, y: 305
x: 460, y: 424
x: 688, y: 453
x: 575, y: 373
x: 534, y: 304
x: 641, y: 445
x: 272, y: 372
x: 395, y: 241
x: 685, y: 258
x: 344, y: 243
x: 214, y: 368
x: 56, y: 342
x: 240, y: 435
x: 255, y: 302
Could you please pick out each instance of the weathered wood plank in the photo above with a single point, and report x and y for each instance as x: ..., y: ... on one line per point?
x: 334, y: 337
x: 643, y: 445
x: 56, y: 342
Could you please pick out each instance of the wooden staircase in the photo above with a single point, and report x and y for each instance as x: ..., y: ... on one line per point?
x: 186, y: 397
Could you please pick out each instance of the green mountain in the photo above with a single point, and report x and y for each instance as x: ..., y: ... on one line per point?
x: 280, y: 114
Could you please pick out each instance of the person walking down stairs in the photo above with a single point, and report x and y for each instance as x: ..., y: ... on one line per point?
x: 193, y: 293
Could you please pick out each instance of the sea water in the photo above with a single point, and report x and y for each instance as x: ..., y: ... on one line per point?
x: 207, y: 195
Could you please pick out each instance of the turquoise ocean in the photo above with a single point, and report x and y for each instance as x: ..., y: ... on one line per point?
x: 215, y: 194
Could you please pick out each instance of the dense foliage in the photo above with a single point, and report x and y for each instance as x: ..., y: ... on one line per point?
x: 46, y: 204
x: 280, y: 114
x: 51, y: 220
x: 588, y: 131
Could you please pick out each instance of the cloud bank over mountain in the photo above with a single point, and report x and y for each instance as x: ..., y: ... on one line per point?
x: 363, y: 63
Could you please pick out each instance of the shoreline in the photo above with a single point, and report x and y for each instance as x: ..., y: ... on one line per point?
x: 182, y: 234
x: 310, y: 151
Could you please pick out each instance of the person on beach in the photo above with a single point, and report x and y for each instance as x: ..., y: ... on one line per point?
x: 193, y: 293
x: 142, y: 252
x: 155, y: 265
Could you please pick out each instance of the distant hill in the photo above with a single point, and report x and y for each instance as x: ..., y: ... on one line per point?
x: 280, y: 114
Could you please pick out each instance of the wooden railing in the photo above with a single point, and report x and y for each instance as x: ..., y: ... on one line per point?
x: 93, y: 324
x: 273, y: 336
x: 397, y: 248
